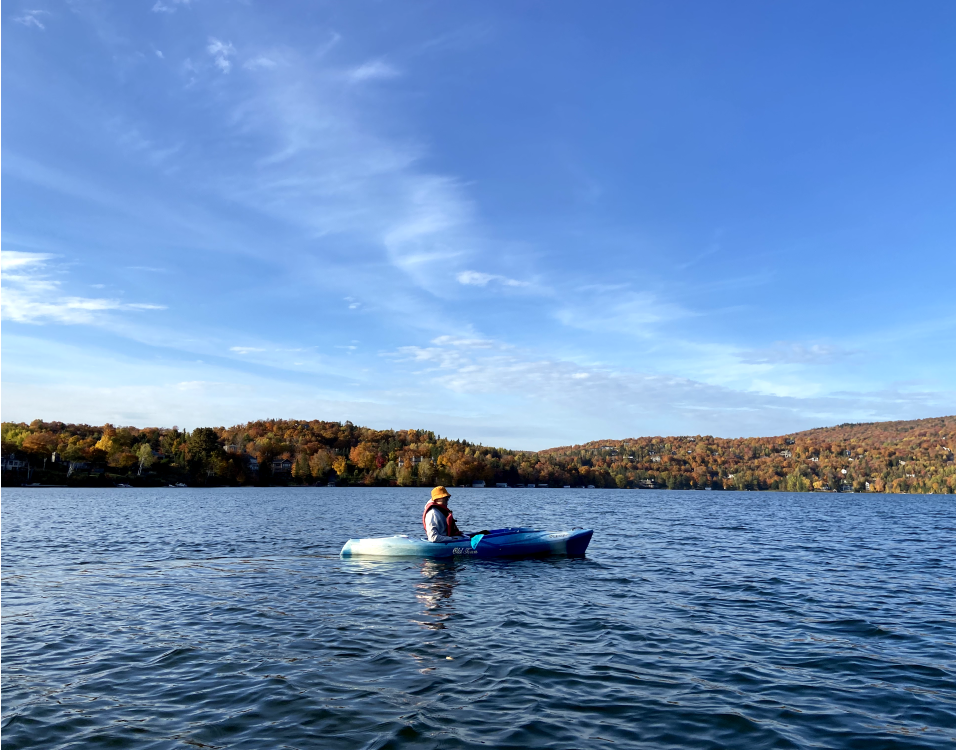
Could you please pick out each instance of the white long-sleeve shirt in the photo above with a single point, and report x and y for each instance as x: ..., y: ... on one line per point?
x: 436, y: 527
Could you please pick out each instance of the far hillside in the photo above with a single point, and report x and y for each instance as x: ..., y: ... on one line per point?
x: 914, y: 456
x: 906, y: 456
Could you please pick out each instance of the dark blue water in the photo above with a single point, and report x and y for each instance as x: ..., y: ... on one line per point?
x: 224, y: 618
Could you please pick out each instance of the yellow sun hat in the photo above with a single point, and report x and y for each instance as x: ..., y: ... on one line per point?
x: 439, y: 492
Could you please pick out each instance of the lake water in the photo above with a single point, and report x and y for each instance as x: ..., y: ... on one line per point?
x: 225, y: 618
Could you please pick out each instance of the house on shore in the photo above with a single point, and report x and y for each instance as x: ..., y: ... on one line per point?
x: 251, y: 464
x: 12, y: 463
x: 281, y: 466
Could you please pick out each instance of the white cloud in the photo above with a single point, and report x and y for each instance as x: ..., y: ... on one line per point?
x: 132, y: 140
x: 259, y: 63
x: 31, y: 296
x: 159, y: 54
x: 60, y: 380
x: 330, y: 173
x: 472, y: 343
x: 485, y: 366
x: 25, y: 308
x: 12, y: 259
x: 221, y: 52
x: 453, y: 368
x: 430, y: 227
x: 474, y: 278
x: 168, y: 6
x: 245, y: 349
x: 32, y: 18
x: 635, y: 313
x: 477, y: 278
x: 794, y: 353
x: 373, y: 70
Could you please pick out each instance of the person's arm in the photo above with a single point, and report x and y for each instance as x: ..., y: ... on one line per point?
x: 435, y: 527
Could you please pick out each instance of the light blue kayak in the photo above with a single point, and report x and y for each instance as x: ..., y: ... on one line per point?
x: 515, y: 542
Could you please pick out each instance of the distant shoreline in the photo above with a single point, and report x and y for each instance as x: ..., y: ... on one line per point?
x: 911, y: 457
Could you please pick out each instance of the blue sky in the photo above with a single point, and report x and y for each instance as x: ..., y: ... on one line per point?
x: 522, y: 223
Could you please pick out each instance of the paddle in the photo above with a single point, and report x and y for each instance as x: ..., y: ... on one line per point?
x: 475, y: 538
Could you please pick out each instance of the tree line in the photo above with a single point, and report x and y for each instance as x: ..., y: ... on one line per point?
x: 910, y: 456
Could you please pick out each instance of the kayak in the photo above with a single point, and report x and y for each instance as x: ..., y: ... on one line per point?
x: 514, y: 542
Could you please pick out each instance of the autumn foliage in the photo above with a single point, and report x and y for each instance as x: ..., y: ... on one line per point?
x: 912, y: 456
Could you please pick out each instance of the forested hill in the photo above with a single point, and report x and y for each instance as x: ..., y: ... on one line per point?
x: 905, y: 456
x: 912, y: 456
x: 873, y: 434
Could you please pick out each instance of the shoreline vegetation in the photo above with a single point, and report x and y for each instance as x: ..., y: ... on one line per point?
x: 914, y: 456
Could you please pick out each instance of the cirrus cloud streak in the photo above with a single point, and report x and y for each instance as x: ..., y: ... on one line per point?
x: 30, y: 295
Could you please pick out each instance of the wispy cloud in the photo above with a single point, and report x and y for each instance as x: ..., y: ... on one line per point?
x: 221, y: 52
x: 621, y: 311
x: 32, y: 18
x: 169, y: 6
x: 477, y: 278
x: 30, y: 295
x: 245, y: 349
x: 431, y: 225
x: 260, y: 63
x: 63, y: 182
x: 465, y: 341
x: 329, y: 170
x: 14, y: 259
x: 132, y: 140
x: 794, y: 353
x: 373, y: 70
x: 457, y: 366
x: 478, y: 365
x: 714, y: 248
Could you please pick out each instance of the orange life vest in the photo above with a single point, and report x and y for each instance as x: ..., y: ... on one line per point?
x: 453, y: 529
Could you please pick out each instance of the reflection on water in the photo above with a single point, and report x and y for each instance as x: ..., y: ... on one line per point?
x: 439, y: 578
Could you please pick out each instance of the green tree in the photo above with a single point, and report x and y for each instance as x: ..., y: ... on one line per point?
x: 406, y: 475
x: 145, y: 455
x: 320, y: 464
x: 426, y: 472
x: 202, y: 443
x: 796, y: 482
x: 301, y: 469
x: 389, y: 470
x: 169, y: 442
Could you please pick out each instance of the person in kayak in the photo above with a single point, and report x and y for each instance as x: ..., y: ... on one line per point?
x: 438, y: 520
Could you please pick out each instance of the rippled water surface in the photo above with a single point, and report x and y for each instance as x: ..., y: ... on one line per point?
x: 225, y: 618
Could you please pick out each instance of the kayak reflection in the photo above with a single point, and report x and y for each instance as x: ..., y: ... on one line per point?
x: 439, y: 578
